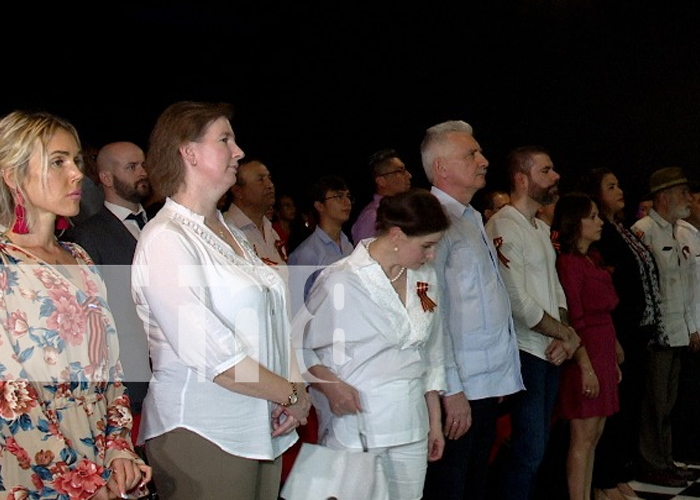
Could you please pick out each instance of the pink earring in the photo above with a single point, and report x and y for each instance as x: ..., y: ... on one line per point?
x: 20, y: 225
x: 62, y: 223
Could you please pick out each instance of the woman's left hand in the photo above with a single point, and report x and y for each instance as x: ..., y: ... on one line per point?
x: 127, y: 475
x: 282, y: 421
x: 591, y: 386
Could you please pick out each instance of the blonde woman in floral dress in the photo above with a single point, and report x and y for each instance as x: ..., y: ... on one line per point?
x: 65, y: 418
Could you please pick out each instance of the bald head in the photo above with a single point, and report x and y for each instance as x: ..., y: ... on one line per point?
x: 121, y: 171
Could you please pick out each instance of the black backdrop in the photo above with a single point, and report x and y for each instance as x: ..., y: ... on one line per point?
x: 318, y: 86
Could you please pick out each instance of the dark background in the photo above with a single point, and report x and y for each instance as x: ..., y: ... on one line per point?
x: 317, y: 87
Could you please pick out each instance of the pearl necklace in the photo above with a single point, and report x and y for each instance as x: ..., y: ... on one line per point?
x: 391, y: 280
x: 395, y: 278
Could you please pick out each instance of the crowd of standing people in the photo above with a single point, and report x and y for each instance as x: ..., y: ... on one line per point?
x: 183, y: 334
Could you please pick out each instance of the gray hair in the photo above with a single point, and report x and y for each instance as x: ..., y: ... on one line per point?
x: 435, y: 137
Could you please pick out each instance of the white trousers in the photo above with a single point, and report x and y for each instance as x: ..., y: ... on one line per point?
x: 405, y: 466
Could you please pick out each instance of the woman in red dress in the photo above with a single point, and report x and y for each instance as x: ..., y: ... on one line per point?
x: 588, y: 390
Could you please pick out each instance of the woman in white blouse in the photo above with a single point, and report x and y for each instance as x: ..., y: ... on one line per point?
x: 222, y: 404
x: 374, y: 343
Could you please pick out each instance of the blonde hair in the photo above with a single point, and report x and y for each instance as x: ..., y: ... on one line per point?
x: 23, y: 134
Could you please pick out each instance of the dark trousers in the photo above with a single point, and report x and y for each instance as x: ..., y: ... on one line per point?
x: 655, y: 440
x: 462, y: 472
x: 686, y: 412
x: 531, y: 421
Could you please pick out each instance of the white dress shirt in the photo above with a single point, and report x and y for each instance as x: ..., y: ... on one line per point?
x: 528, y: 267
x: 674, y: 276
x: 689, y: 238
x: 205, y: 309
x: 267, y: 244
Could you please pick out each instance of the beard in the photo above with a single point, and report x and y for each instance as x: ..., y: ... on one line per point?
x: 134, y: 193
x: 543, y: 196
x: 682, y: 211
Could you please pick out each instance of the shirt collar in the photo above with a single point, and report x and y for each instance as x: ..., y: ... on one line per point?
x: 658, y: 219
x: 122, y: 212
x: 451, y: 205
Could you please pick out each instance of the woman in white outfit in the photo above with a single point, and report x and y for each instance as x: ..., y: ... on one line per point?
x: 222, y: 405
x: 374, y: 343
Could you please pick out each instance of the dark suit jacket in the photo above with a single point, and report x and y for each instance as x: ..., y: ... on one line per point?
x: 105, y: 238
x: 111, y: 246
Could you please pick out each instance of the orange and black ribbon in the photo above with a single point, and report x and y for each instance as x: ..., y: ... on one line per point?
x: 498, y: 242
x: 279, y: 246
x: 428, y: 304
x: 265, y: 260
x: 554, y: 237
x: 269, y: 262
x: 97, y: 331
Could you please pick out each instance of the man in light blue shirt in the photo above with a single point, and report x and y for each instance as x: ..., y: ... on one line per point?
x: 481, y: 351
x: 327, y: 244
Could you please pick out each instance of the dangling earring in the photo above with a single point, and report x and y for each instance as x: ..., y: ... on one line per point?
x: 62, y: 223
x: 396, y: 249
x: 20, y: 225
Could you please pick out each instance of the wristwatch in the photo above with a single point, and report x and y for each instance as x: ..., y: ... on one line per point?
x: 293, y: 397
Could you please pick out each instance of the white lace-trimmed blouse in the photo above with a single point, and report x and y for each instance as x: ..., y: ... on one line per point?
x: 205, y: 309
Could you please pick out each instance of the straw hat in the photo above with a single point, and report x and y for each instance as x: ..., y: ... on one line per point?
x: 665, y: 178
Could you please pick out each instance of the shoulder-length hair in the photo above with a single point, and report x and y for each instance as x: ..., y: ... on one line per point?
x: 591, y: 183
x: 178, y: 124
x: 23, y: 134
x: 569, y: 211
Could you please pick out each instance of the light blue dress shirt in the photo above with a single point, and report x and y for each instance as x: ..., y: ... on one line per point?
x: 481, y: 349
x: 309, y: 258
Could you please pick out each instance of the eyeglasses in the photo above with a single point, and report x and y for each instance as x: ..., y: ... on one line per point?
x: 340, y: 197
x: 401, y: 170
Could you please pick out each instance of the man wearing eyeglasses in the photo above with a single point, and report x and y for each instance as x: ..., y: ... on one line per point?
x: 327, y: 244
x: 390, y: 178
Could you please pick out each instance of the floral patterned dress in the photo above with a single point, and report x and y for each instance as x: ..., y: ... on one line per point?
x: 64, y: 413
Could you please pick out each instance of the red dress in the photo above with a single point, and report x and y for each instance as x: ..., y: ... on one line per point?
x: 591, y: 297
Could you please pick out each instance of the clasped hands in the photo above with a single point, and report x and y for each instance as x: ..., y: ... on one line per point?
x: 127, y: 475
x: 559, y: 350
x: 287, y: 418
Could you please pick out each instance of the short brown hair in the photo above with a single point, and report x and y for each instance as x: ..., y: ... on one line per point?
x: 519, y: 160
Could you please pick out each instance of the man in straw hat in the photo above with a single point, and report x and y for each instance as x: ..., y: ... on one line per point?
x: 686, y: 413
x: 668, y: 189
